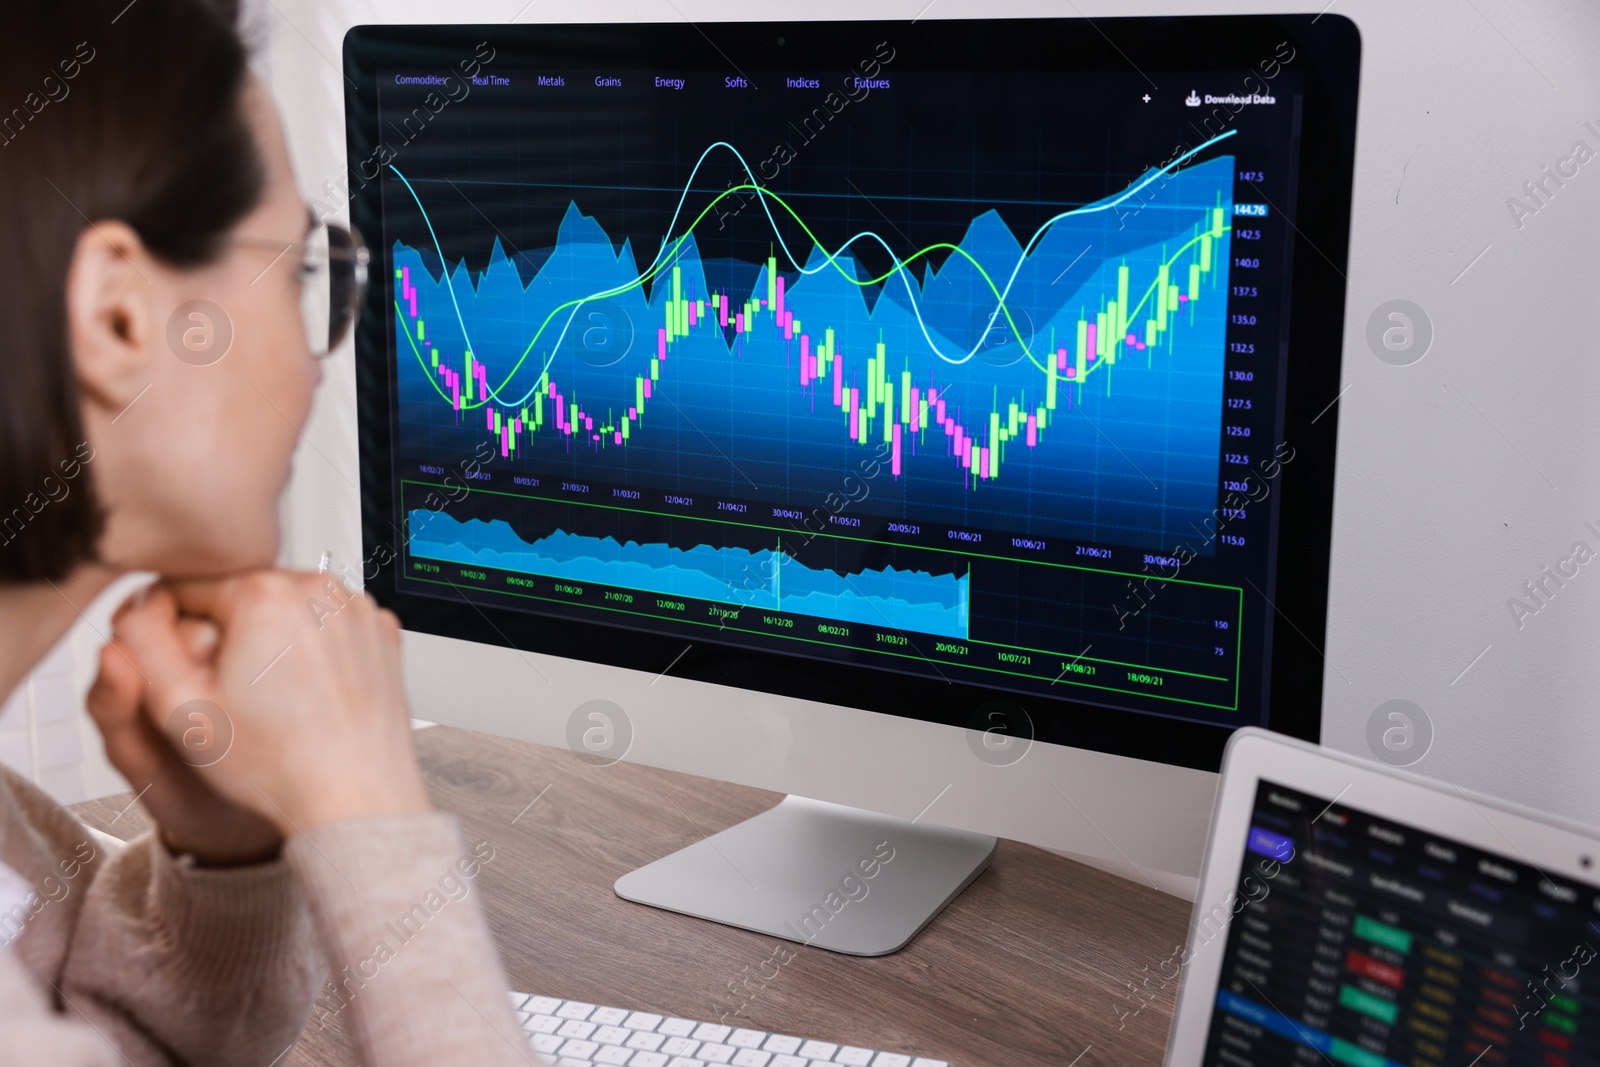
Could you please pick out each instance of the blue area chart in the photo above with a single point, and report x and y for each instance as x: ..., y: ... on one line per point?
x: 766, y: 579
x: 1066, y: 384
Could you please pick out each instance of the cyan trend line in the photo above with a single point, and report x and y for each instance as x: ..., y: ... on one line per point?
x: 830, y: 258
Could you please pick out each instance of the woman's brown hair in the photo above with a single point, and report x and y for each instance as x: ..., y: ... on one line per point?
x: 117, y: 110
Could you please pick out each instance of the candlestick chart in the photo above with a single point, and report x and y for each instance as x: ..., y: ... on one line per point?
x: 1059, y: 383
x: 1067, y: 383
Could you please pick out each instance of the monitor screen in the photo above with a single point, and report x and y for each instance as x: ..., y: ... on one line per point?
x: 970, y: 371
x: 1361, y: 940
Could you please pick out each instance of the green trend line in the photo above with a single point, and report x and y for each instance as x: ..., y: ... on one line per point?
x: 675, y: 253
x: 763, y: 194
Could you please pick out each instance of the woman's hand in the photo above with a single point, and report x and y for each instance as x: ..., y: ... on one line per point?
x: 303, y: 686
x: 191, y: 816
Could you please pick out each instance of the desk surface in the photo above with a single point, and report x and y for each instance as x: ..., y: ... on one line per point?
x: 1034, y: 963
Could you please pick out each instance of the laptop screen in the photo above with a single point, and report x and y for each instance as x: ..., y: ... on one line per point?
x: 1360, y: 940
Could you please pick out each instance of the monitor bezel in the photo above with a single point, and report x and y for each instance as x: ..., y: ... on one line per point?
x: 1326, y: 51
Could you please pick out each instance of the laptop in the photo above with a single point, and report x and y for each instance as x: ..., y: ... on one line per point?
x: 1353, y: 914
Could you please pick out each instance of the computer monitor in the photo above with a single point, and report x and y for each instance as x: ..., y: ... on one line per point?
x: 976, y: 373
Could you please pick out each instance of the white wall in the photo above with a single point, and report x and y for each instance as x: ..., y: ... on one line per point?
x: 1460, y: 476
x: 40, y: 727
x: 45, y: 734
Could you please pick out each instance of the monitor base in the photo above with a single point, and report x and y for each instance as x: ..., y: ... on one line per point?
x: 826, y: 875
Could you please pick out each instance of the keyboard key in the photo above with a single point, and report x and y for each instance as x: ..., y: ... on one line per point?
x: 573, y: 1032
x: 578, y: 1050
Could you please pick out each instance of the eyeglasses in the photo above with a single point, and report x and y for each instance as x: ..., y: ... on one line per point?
x: 333, y: 277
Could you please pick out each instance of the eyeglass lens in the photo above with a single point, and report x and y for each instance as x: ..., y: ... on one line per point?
x: 329, y: 304
x: 346, y: 282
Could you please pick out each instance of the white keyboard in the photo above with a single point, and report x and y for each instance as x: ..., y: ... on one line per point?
x: 575, y: 1034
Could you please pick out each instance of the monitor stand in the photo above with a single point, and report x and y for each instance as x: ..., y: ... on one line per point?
x: 821, y: 874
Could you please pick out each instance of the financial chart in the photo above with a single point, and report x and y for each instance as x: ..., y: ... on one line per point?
x: 1361, y: 941
x: 911, y: 377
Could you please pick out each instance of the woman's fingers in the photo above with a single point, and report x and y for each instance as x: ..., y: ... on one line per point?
x: 117, y: 683
x: 214, y: 598
x: 119, y: 686
x: 115, y: 702
x: 193, y: 817
x: 153, y: 637
x: 122, y: 685
x: 113, y: 699
x: 290, y: 682
x: 199, y: 637
x: 150, y: 632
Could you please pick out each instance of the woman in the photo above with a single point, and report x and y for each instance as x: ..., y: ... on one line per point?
x: 142, y: 168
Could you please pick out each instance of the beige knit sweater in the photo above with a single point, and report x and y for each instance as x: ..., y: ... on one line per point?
x: 137, y: 957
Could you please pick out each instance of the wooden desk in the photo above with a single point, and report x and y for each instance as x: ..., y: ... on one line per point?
x: 1031, y: 965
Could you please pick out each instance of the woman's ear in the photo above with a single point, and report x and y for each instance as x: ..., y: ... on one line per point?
x: 111, y: 314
